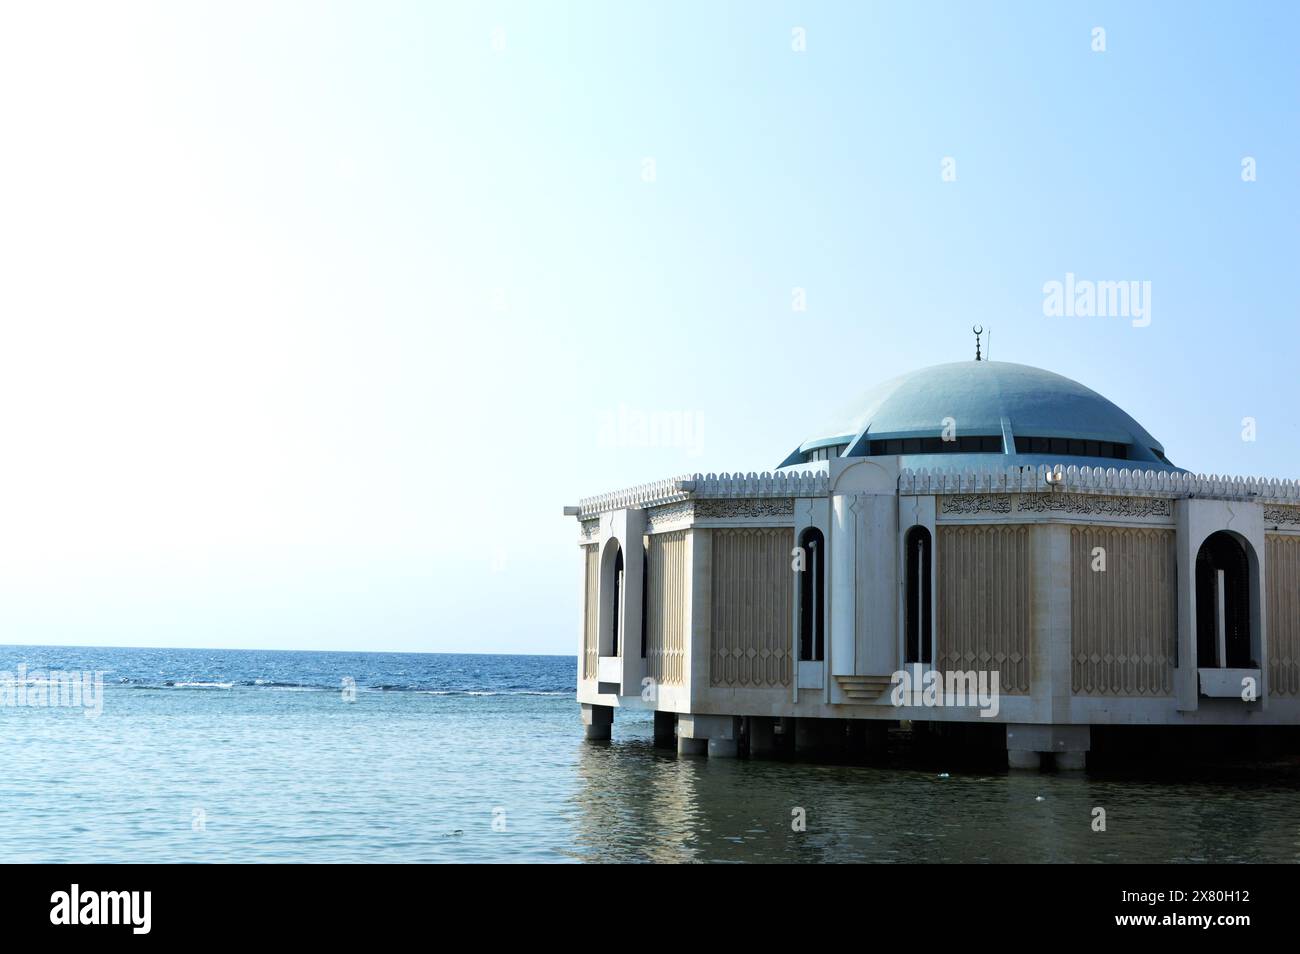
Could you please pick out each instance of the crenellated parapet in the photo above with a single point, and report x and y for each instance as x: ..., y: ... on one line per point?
x: 641, y: 496
x: 767, y: 484
x: 709, y: 486
x: 1097, y: 480
x: 1015, y: 480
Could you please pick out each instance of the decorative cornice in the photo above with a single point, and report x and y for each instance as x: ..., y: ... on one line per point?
x: 976, y: 503
x: 1081, y: 504
x: 1280, y: 515
x: 715, y: 509
x: 1096, y: 505
x: 657, y: 518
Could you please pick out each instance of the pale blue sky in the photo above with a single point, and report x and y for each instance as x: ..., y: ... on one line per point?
x: 314, y: 316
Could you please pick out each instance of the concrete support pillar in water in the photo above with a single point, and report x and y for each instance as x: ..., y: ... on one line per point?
x: 687, y: 746
x: 665, y: 729
x: 807, y: 735
x: 716, y: 735
x: 819, y: 736
x: 783, y: 729
x: 1071, y: 761
x: 723, y: 748
x: 1023, y: 760
x: 597, y: 721
x: 1067, y: 745
x: 762, y: 736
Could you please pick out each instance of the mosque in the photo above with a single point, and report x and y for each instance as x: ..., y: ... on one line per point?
x: 980, y: 542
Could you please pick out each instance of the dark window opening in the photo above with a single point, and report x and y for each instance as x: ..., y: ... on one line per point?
x: 645, y: 591
x: 992, y: 444
x: 973, y: 444
x: 916, y: 615
x: 1071, y: 447
x: 824, y: 453
x: 1223, y: 604
x: 812, y: 612
x: 618, y: 601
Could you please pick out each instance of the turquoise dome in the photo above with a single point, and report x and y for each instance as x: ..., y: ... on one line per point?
x: 1001, y: 414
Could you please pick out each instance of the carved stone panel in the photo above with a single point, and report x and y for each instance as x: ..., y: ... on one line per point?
x: 757, y: 507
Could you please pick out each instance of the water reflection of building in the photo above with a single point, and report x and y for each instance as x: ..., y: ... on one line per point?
x: 971, y: 518
x: 636, y: 805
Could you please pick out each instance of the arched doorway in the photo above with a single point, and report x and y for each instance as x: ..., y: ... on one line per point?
x: 1223, y: 592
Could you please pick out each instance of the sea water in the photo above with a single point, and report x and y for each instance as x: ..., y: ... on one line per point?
x: 229, y: 756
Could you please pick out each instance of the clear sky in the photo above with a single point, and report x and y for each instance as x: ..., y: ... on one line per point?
x: 314, y: 316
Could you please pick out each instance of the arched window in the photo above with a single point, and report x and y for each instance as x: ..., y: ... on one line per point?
x: 812, y: 612
x: 916, y: 613
x: 617, y: 622
x: 1223, y: 604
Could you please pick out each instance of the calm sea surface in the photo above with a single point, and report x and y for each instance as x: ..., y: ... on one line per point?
x: 254, y: 756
